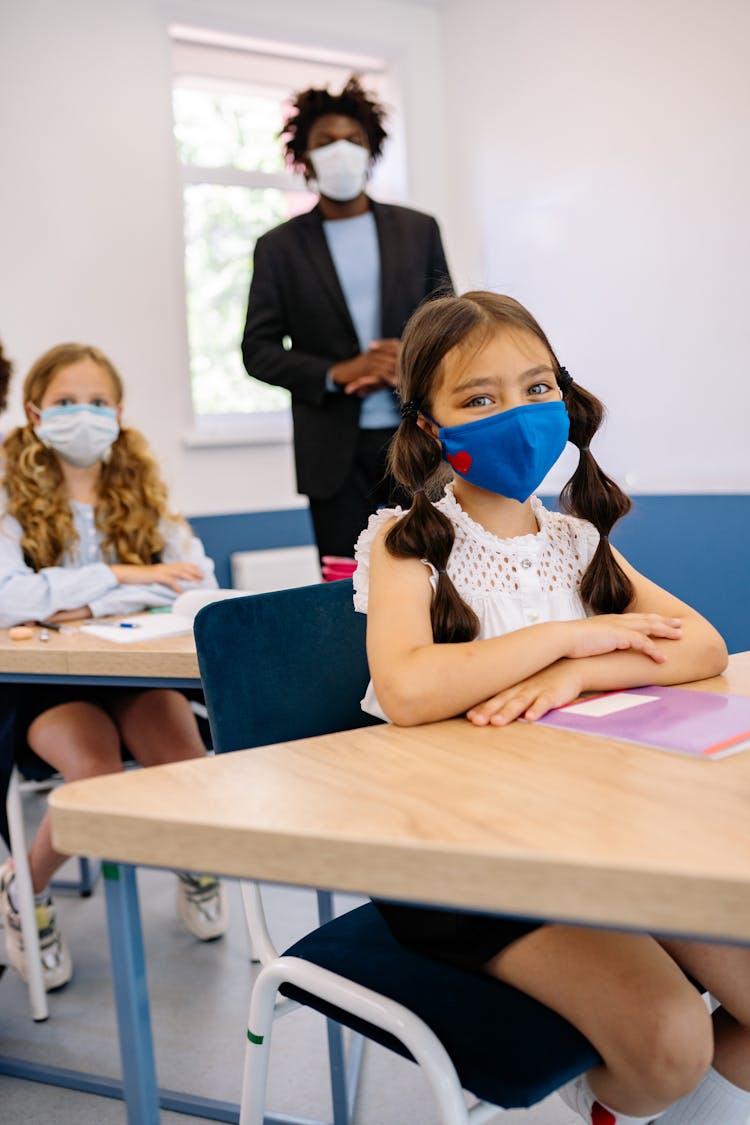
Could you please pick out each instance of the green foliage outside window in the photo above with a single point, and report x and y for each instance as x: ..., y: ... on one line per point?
x: 222, y: 223
x: 231, y: 130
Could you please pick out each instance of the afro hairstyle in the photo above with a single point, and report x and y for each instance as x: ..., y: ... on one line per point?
x: 309, y: 105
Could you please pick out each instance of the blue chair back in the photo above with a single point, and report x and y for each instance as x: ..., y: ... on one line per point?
x: 292, y: 664
x: 283, y: 665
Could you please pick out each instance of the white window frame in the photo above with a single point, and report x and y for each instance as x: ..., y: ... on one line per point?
x: 235, y: 61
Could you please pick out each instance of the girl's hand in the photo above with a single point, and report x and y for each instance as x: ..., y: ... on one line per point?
x: 607, y: 632
x: 562, y: 682
x: 552, y: 687
x: 165, y: 574
x: 70, y: 614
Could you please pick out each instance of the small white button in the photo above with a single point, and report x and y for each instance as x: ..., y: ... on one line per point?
x: 533, y: 615
x: 525, y: 563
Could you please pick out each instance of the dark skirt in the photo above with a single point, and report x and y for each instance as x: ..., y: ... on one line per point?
x: 21, y: 704
x: 32, y: 700
x: 463, y: 939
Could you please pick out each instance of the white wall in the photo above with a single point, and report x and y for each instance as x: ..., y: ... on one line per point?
x: 591, y: 157
x: 603, y: 153
x: 90, y: 206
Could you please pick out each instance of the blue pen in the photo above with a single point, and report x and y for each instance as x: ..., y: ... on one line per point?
x: 119, y: 624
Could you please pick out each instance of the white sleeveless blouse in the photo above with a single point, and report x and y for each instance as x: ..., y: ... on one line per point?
x: 509, y: 583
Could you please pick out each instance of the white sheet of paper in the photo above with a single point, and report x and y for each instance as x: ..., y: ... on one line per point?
x: 609, y: 704
x: 188, y: 604
x: 147, y: 627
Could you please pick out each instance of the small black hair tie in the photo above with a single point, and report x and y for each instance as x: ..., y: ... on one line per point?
x: 416, y: 490
x: 443, y: 571
x: 604, y: 538
x: 564, y: 379
x: 584, y: 448
x: 410, y: 409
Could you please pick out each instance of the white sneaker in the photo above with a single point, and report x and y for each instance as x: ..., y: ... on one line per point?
x: 575, y: 1096
x: 202, y: 906
x: 578, y: 1096
x: 57, y: 966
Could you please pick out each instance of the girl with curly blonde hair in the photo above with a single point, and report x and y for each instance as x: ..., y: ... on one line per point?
x: 86, y: 531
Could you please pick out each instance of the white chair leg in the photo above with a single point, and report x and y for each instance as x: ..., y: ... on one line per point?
x: 25, y: 897
x: 341, y: 1096
x: 261, y: 947
x: 482, y: 1112
x: 257, y: 1048
x: 421, y: 1041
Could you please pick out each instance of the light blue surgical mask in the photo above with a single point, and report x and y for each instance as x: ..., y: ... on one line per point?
x: 509, y: 453
x: 80, y: 433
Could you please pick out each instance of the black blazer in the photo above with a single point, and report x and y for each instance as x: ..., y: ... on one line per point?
x: 295, y: 293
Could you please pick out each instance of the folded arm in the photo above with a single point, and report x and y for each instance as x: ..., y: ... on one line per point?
x: 184, y: 566
x: 418, y: 681
x: 29, y: 595
x: 95, y: 589
x: 698, y: 653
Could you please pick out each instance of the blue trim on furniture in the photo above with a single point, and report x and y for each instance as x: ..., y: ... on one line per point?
x: 697, y: 546
x: 251, y: 531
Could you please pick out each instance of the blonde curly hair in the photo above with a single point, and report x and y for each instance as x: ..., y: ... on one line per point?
x: 132, y: 498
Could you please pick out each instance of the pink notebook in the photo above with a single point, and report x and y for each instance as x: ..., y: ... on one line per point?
x: 700, y: 723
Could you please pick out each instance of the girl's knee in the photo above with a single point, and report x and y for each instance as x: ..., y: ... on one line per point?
x: 92, y: 762
x: 672, y: 1047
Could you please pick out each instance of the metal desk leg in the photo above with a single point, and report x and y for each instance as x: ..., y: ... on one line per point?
x: 131, y: 995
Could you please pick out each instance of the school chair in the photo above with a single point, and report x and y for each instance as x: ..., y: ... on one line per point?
x: 292, y: 664
x: 29, y: 776
x: 32, y: 777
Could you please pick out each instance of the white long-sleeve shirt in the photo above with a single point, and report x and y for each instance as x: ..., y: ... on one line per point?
x: 83, y: 577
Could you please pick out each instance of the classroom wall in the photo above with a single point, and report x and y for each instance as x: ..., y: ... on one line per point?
x: 90, y: 201
x: 675, y: 540
x: 602, y: 153
x: 590, y: 157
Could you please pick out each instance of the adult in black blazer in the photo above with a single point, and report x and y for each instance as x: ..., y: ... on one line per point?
x: 300, y: 333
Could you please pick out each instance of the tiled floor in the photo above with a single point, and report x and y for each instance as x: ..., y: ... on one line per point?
x: 199, y: 995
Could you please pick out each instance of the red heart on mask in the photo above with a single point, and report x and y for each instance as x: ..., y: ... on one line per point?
x: 460, y: 461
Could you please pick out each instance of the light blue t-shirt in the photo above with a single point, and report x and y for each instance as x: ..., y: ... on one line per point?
x: 354, y: 248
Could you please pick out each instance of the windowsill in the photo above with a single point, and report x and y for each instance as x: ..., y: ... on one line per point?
x: 223, y: 431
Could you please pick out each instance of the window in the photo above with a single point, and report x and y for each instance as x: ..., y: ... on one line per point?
x: 230, y: 97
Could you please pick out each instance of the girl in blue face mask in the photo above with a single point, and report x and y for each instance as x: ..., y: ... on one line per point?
x: 483, y: 603
x: 86, y: 531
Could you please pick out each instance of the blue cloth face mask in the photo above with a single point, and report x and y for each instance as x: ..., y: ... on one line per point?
x: 81, y: 433
x: 509, y: 453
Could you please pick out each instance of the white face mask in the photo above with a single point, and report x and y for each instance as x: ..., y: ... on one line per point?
x: 81, y: 434
x: 340, y: 169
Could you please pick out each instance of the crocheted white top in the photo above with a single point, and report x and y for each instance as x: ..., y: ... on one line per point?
x: 509, y: 583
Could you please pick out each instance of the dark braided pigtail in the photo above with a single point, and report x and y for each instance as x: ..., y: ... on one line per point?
x: 591, y: 495
x: 415, y: 456
x: 424, y: 532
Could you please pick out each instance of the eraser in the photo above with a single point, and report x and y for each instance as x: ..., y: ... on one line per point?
x: 21, y: 633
